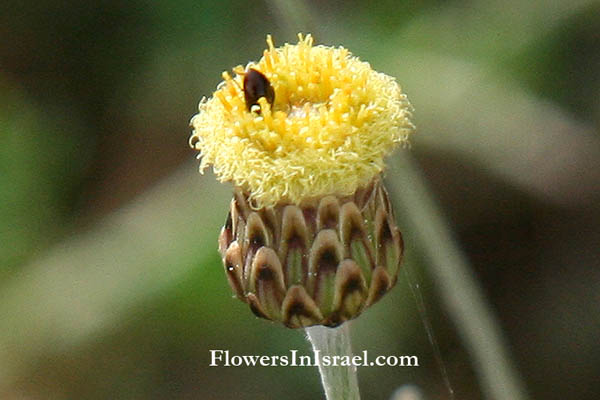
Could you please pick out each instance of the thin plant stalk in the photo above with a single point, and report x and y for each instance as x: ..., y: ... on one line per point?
x: 459, y: 290
x: 339, y: 382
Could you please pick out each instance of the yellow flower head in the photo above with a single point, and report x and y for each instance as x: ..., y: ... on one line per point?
x: 326, y: 130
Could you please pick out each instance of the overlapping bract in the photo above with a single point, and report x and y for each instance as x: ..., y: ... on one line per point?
x: 321, y: 262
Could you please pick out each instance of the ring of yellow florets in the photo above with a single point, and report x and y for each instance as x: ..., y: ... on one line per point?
x: 331, y: 124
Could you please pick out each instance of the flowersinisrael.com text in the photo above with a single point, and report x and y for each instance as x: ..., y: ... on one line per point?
x: 223, y: 358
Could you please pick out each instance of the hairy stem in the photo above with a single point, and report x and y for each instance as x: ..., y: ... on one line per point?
x: 339, y: 382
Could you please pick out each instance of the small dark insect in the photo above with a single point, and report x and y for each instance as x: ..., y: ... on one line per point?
x: 256, y: 85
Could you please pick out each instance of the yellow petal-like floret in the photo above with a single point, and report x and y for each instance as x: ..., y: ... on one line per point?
x: 332, y: 122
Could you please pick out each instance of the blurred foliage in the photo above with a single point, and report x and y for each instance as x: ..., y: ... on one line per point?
x: 41, y: 164
x: 95, y: 104
x: 563, y: 66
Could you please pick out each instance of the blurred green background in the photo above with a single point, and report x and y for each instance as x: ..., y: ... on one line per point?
x: 110, y: 282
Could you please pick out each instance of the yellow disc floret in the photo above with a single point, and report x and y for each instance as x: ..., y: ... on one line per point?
x: 332, y: 121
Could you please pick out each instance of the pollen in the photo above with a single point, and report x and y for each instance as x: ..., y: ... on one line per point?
x: 327, y: 129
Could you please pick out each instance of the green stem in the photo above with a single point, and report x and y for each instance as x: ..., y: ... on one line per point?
x: 460, y: 291
x: 339, y: 382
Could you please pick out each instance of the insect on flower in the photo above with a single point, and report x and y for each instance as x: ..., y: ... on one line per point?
x: 256, y: 85
x: 310, y: 237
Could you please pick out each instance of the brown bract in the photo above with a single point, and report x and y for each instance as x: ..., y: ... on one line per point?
x: 321, y: 262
